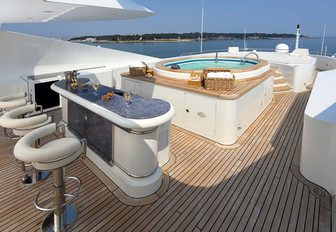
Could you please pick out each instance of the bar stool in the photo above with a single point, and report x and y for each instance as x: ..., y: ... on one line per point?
x: 53, y: 156
x: 13, y: 101
x: 18, y: 120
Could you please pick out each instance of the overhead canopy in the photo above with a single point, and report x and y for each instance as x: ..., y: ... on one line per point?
x: 29, y: 11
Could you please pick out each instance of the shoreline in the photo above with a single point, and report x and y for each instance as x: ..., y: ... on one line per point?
x: 137, y: 41
x: 175, y: 40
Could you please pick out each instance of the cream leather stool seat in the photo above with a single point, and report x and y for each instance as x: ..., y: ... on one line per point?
x: 13, y: 101
x: 54, y: 156
x: 21, y: 125
x: 24, y: 130
x: 12, y: 120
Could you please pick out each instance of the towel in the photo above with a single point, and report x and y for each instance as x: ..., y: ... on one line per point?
x: 220, y: 75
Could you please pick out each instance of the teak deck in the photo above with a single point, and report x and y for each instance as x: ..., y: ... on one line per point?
x: 256, y: 186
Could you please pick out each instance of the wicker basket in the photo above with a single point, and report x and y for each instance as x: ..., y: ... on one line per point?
x: 218, y: 83
x: 136, y: 71
x: 197, y: 82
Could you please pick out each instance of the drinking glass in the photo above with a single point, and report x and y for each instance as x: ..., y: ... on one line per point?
x: 127, y: 96
x: 95, y: 86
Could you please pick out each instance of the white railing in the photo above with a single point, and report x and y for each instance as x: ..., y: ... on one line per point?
x: 333, y: 55
x: 225, y: 50
x: 206, y: 51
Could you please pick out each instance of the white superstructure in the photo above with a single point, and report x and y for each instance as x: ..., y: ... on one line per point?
x: 30, y: 11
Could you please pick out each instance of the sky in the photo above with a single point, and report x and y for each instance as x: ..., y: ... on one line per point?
x: 178, y: 16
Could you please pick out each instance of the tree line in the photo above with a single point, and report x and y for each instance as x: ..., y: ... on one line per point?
x: 192, y: 35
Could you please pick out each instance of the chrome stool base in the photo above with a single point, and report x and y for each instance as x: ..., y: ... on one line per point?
x: 62, y: 213
x: 33, y: 176
x: 67, y: 218
x: 9, y: 135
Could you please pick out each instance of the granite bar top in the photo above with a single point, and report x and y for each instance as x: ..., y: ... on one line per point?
x: 137, y: 108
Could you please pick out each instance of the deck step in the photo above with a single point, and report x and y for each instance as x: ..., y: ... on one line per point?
x: 280, y: 82
x: 277, y: 75
x: 278, y: 78
x: 282, y: 89
x: 310, y: 86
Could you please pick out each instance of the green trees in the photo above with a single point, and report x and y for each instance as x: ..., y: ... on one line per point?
x: 178, y: 36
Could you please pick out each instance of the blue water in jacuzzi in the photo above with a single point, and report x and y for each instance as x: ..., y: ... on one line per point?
x: 202, y: 63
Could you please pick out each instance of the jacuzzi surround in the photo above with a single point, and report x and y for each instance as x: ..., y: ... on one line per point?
x: 195, y: 64
x: 258, y: 69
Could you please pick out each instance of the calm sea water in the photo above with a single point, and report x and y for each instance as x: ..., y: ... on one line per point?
x: 171, y: 49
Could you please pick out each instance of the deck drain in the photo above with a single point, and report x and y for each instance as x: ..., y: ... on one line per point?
x: 319, y: 192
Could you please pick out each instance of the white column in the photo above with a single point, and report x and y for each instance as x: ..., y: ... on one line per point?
x: 298, y: 30
x: 202, y: 26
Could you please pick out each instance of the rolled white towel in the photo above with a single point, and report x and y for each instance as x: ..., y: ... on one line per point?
x: 136, y: 65
x: 220, y: 75
x: 197, y: 77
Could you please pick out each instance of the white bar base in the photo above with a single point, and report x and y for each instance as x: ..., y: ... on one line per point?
x: 132, y: 186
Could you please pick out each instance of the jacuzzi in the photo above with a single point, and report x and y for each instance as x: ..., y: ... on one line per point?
x: 242, y: 69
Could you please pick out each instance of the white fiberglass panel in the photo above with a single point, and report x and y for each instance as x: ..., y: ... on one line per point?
x: 200, y: 114
x: 15, y: 11
x: 136, y: 154
x: 322, y: 101
x: 318, y: 156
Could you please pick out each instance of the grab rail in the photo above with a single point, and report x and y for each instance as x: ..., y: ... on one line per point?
x: 226, y: 50
x: 243, y: 60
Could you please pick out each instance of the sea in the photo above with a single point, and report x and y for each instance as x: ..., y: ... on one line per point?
x: 172, y: 49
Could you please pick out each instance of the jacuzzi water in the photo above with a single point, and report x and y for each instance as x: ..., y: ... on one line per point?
x: 200, y: 64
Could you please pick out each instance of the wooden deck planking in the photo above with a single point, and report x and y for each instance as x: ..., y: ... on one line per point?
x: 189, y: 193
x: 224, y: 175
x: 269, y: 211
x: 276, y: 164
x: 251, y: 145
x: 309, y: 217
x: 288, y: 163
x: 190, y: 182
x: 303, y: 210
x: 163, y: 201
x: 25, y: 222
x: 247, y: 188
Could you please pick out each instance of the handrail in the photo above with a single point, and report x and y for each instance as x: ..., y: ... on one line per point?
x: 225, y: 50
x: 247, y: 50
x: 204, y: 51
x: 243, y: 60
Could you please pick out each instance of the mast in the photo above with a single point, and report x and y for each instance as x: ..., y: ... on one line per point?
x: 202, y: 26
x: 245, y: 43
x: 298, y: 30
x: 324, y: 32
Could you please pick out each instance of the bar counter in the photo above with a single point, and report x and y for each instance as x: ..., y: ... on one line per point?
x: 128, y: 140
